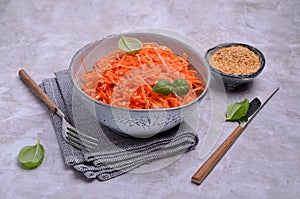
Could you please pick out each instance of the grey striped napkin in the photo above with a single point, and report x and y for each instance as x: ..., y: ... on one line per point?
x: 117, y: 154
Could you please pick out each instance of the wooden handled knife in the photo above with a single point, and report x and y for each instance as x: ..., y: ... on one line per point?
x: 255, y: 106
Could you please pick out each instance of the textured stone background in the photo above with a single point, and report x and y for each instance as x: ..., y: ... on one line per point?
x: 42, y: 36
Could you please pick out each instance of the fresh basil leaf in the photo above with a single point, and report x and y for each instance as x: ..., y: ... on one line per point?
x: 129, y: 44
x: 237, y: 110
x: 243, y: 119
x: 163, y: 87
x: 181, y: 87
x: 32, y: 156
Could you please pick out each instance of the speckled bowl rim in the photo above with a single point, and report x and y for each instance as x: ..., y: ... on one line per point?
x: 164, y: 32
x: 210, y: 52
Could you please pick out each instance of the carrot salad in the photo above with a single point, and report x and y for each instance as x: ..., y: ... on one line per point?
x: 126, y: 80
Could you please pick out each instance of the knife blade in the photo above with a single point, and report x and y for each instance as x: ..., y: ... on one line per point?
x: 255, y: 106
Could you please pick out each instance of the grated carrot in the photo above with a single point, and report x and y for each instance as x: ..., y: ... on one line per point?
x: 126, y: 80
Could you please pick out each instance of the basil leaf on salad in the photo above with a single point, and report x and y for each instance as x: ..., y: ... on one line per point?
x: 129, y: 44
x: 179, y: 87
x: 238, y: 111
x: 163, y: 87
x: 32, y: 156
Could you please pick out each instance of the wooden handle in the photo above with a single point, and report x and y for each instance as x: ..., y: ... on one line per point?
x: 42, y: 95
x: 204, y: 170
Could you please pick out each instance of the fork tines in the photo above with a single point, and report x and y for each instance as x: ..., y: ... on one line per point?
x: 80, y: 140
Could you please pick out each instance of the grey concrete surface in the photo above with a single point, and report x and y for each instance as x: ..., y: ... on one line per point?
x: 42, y: 36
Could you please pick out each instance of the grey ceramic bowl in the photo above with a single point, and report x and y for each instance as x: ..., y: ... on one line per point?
x: 232, y: 81
x: 135, y: 122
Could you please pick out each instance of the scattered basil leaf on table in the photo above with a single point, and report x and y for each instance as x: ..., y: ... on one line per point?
x: 32, y: 156
x: 129, y: 44
x: 238, y: 111
x: 179, y: 87
x: 243, y: 119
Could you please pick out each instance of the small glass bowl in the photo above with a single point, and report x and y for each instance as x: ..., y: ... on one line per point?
x: 232, y: 81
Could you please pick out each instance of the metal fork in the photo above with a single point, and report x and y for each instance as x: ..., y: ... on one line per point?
x: 69, y: 133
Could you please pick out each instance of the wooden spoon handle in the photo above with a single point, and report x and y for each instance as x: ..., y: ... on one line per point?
x: 42, y: 95
x: 204, y: 170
